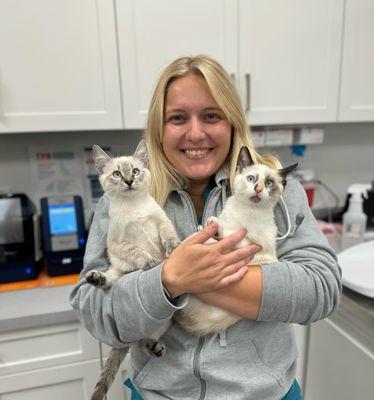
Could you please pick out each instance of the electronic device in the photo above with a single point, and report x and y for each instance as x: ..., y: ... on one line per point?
x: 19, y: 239
x: 64, y: 234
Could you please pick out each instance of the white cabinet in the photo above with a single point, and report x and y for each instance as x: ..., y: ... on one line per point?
x: 58, y: 66
x: 289, y: 59
x: 357, y: 76
x: 284, y: 55
x: 51, y: 362
x: 73, y: 382
x: 340, y: 365
x: 153, y: 33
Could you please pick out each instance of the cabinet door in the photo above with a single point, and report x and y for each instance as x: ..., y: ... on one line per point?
x: 357, y: 79
x: 339, y: 366
x: 153, y: 33
x: 289, y: 58
x: 46, y: 346
x: 58, y: 66
x: 73, y: 382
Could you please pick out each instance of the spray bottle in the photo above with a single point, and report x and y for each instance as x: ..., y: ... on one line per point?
x: 354, y: 219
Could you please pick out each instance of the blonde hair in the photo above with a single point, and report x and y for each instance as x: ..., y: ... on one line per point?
x: 164, y: 175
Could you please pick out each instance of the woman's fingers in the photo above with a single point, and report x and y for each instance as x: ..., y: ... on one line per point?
x: 202, y: 236
x: 235, y: 277
x: 246, y: 252
x: 229, y: 242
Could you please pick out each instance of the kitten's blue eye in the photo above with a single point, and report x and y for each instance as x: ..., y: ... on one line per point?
x: 135, y: 172
x: 250, y: 178
x: 117, y: 174
x: 268, y: 183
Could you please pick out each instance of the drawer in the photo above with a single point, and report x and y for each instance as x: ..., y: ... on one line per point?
x: 46, y: 346
x: 72, y: 381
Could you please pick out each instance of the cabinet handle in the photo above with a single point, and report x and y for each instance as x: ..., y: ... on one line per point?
x: 248, y: 92
x: 1, y: 100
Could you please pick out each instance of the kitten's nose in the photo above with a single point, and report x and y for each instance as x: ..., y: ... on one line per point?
x: 128, y: 180
x: 258, y: 189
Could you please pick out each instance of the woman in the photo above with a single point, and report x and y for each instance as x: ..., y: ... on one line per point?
x: 196, y: 127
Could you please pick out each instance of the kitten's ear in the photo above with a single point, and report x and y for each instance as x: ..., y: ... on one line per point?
x: 141, y: 153
x: 244, y: 159
x: 283, y: 172
x: 100, y: 158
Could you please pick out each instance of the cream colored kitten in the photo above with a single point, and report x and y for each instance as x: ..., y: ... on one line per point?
x: 257, y: 189
x: 140, y: 235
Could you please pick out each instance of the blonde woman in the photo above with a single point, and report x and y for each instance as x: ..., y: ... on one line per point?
x: 195, y: 129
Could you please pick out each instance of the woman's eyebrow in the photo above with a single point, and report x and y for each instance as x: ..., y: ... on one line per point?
x: 174, y: 110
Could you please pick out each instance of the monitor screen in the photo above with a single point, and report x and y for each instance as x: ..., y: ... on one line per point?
x: 62, y: 219
x: 11, y: 221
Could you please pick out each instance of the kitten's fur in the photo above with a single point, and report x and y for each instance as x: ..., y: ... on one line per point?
x: 244, y: 209
x: 140, y: 235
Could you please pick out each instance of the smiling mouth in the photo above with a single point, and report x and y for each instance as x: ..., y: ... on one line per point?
x: 196, y: 153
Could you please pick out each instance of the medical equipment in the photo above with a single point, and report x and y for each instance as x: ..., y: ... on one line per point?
x: 64, y: 234
x: 19, y: 239
x: 298, y: 221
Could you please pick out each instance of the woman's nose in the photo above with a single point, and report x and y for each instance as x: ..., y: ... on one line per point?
x: 195, y: 130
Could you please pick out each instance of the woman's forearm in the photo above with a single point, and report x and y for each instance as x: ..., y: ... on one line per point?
x: 242, y: 298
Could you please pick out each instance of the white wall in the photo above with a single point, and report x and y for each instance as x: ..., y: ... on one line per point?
x: 14, y: 162
x: 346, y: 156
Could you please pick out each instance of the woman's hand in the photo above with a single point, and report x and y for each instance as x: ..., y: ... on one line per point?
x: 197, y: 267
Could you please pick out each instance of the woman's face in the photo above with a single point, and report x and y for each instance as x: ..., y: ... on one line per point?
x: 197, y: 134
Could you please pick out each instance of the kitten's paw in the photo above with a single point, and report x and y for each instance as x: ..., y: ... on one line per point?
x: 151, y: 263
x: 211, y: 220
x: 153, y: 347
x: 170, y: 245
x: 98, y: 279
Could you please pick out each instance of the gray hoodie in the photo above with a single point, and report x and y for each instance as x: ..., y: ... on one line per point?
x: 251, y: 359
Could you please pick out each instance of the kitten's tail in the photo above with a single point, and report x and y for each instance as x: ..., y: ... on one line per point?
x: 108, y: 373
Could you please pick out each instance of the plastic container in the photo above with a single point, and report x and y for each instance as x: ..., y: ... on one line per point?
x: 354, y: 220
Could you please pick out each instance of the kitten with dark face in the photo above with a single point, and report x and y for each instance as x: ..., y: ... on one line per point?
x: 257, y: 189
x: 140, y: 235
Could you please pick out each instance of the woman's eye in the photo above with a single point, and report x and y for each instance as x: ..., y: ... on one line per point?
x: 250, y: 178
x: 212, y: 117
x: 117, y: 174
x: 135, y: 172
x: 176, y: 119
x: 268, y: 183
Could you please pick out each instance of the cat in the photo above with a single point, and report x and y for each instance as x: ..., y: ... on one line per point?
x: 140, y: 236
x: 256, y: 190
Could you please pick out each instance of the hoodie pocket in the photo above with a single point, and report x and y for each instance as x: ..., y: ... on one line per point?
x: 143, y: 373
x: 263, y: 367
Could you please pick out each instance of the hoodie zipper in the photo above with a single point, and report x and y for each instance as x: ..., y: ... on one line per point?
x: 213, y: 191
x: 196, y: 368
x: 191, y: 207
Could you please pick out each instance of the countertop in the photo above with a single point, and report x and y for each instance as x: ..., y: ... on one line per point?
x: 29, y: 308
x: 47, y: 306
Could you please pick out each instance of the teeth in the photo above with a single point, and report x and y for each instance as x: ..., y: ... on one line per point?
x: 196, y: 153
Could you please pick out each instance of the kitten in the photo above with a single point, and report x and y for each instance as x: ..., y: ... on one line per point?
x: 140, y: 236
x: 257, y: 189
